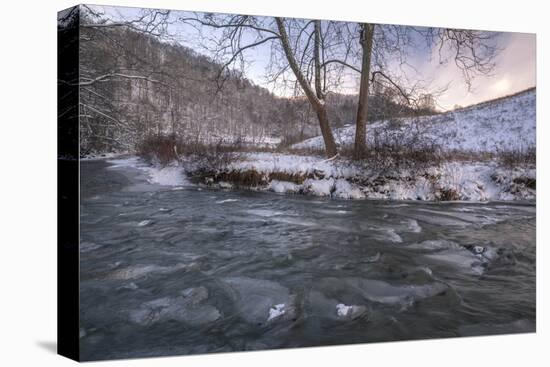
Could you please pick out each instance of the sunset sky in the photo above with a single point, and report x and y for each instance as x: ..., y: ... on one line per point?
x: 515, y: 64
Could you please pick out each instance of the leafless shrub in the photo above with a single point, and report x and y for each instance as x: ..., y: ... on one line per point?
x: 212, y: 158
x: 170, y: 148
x: 448, y: 194
x: 159, y: 148
x: 400, y: 146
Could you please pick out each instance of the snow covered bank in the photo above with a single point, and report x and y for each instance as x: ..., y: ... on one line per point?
x: 344, y: 179
x: 340, y: 178
x: 100, y: 156
x: 507, y: 124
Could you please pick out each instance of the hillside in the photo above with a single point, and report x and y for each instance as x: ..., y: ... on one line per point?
x: 504, y: 124
x: 134, y: 85
x: 498, y: 126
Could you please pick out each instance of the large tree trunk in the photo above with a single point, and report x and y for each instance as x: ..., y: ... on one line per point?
x: 367, y: 32
x: 315, y: 98
x: 330, y: 144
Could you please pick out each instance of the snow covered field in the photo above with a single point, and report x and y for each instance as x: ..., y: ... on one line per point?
x: 501, y: 125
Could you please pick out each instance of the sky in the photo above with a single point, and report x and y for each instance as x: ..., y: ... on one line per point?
x: 515, y: 64
x: 515, y: 71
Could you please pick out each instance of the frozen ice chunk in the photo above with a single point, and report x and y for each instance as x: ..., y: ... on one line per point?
x: 188, y: 308
x: 276, y: 311
x: 350, y: 312
x: 479, y: 249
x: 258, y: 300
x: 342, y: 310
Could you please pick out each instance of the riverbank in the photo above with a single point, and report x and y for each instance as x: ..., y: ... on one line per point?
x: 344, y: 179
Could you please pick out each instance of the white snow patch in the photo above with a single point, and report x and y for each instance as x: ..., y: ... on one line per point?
x: 345, y: 190
x: 276, y: 311
x: 322, y: 187
x: 342, y: 310
x: 225, y: 185
x: 349, y: 312
x: 283, y: 186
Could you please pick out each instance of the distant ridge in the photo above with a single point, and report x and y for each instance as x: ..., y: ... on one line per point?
x: 489, y: 101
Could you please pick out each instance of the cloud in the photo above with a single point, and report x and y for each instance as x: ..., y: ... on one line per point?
x: 515, y: 70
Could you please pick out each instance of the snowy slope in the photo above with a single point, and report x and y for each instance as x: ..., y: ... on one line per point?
x: 499, y: 125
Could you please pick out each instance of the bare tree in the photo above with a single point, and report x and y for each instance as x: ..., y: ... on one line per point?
x: 315, y: 59
x: 317, y: 97
x: 366, y: 39
x: 300, y: 42
x: 472, y: 51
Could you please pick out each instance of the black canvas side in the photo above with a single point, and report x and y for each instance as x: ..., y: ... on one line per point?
x: 68, y: 184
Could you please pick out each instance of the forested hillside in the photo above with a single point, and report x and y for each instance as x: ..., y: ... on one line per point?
x: 132, y: 85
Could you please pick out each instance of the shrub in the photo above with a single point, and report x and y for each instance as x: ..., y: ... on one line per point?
x: 448, y: 195
x: 160, y: 148
x: 169, y: 148
x: 518, y: 157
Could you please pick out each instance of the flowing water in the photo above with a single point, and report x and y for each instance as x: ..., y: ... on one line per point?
x: 184, y: 270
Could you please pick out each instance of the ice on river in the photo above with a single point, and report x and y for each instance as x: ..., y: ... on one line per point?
x: 226, y: 201
x: 413, y: 226
x: 276, y: 311
x: 474, y: 259
x: 320, y: 305
x: 138, y: 271
x: 258, y: 301
x: 350, y: 312
x: 188, y: 307
x: 379, y: 291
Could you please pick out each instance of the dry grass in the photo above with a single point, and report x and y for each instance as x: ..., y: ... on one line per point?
x: 518, y: 157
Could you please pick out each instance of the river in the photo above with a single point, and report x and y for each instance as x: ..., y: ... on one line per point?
x: 186, y: 270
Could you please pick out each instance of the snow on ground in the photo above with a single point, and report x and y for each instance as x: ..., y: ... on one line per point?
x: 214, y: 138
x: 340, y: 178
x: 284, y: 186
x: 98, y: 156
x: 291, y: 164
x: 501, y: 125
